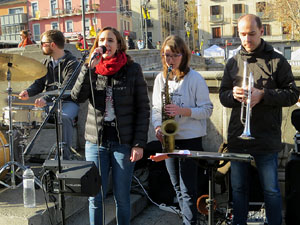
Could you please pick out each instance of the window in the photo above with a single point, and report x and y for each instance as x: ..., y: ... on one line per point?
x: 54, y: 26
x: 87, y: 24
x: 53, y: 5
x: 124, y: 25
x: 36, y: 31
x: 15, y: 10
x: 19, y: 28
x: 86, y: 4
x: 94, y: 20
x: 68, y: 6
x: 215, y: 10
x: 34, y: 6
x: 287, y: 53
x: 260, y: 6
x: 127, y: 5
x: 267, y: 29
x: 235, y: 32
x: 216, y: 32
x: 238, y: 8
x: 69, y: 26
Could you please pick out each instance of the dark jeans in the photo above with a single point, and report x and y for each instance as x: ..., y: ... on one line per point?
x: 183, y: 174
x: 267, y: 170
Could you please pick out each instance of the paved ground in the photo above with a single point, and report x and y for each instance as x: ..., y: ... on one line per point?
x: 152, y: 215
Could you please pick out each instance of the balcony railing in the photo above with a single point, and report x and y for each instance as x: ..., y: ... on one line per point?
x: 236, y: 16
x: 14, y: 19
x: 216, y: 18
x: 222, y: 41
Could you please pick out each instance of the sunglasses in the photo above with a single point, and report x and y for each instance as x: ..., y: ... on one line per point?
x: 42, y: 43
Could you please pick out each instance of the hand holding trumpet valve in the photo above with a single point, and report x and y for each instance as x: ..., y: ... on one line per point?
x: 241, y: 94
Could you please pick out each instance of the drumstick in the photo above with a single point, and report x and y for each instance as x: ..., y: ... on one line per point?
x: 22, y: 103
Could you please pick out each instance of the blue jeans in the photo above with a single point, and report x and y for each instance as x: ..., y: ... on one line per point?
x: 184, y: 174
x: 69, y: 112
x: 267, y: 170
x: 116, y: 157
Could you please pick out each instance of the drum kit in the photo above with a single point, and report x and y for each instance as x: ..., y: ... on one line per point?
x: 18, y: 117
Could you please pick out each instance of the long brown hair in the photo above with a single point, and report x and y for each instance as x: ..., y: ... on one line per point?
x: 177, y: 45
x: 120, y: 40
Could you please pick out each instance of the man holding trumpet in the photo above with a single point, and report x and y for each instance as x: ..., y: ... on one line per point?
x: 273, y: 88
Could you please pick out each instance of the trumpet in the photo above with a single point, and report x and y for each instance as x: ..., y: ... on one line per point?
x: 246, y: 109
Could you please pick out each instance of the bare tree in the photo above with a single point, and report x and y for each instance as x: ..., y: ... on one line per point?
x: 287, y: 12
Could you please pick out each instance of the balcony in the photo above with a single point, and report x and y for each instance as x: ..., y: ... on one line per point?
x: 222, y: 41
x: 14, y: 19
x: 236, y: 16
x: 216, y: 18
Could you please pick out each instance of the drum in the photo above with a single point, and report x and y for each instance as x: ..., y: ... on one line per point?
x: 37, y: 116
x: 20, y: 116
x: 4, y: 154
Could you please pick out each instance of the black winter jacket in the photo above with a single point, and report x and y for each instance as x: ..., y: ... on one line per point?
x: 49, y: 82
x: 272, y: 73
x: 131, y: 103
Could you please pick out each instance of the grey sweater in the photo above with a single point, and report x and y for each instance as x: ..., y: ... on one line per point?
x: 191, y: 92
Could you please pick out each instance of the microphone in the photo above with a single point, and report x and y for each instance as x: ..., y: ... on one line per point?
x: 98, y: 54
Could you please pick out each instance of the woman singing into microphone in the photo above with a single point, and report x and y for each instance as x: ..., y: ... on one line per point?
x: 190, y: 106
x: 117, y: 120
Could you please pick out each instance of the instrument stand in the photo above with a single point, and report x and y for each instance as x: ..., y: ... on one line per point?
x: 211, y: 167
x: 61, y: 196
x: 23, y: 142
x: 212, y: 159
x: 12, y: 163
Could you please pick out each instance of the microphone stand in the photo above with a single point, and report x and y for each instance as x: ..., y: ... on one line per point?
x: 58, y: 135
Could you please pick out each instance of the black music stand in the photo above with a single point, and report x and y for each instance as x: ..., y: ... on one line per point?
x: 212, y: 159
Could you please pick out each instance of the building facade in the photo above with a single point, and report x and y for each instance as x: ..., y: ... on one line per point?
x: 67, y: 16
x: 219, y: 24
x: 161, y: 18
x: 13, y: 19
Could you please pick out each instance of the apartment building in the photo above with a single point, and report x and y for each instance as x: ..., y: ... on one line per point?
x: 67, y: 16
x: 161, y: 18
x: 219, y: 24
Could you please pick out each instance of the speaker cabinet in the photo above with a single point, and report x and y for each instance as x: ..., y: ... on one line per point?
x: 80, y: 178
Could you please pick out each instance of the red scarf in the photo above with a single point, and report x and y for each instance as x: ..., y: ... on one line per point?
x: 111, y: 65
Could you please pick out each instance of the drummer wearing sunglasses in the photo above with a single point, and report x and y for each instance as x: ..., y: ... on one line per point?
x: 60, y: 66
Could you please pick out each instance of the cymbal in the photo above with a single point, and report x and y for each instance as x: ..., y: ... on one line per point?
x: 22, y: 69
x: 56, y: 92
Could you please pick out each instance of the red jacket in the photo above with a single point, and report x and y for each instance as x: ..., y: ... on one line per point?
x: 25, y: 42
x: 82, y: 44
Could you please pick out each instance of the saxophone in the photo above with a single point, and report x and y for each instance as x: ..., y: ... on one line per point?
x: 169, y: 126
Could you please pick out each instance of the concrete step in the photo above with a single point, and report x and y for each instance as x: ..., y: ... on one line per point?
x: 138, y: 204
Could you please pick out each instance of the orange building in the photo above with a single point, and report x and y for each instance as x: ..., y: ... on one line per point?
x: 13, y: 19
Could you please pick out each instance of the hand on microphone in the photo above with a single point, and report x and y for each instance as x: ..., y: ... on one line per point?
x: 96, y: 56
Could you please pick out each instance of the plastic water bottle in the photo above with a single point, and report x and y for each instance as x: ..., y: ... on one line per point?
x: 28, y: 189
